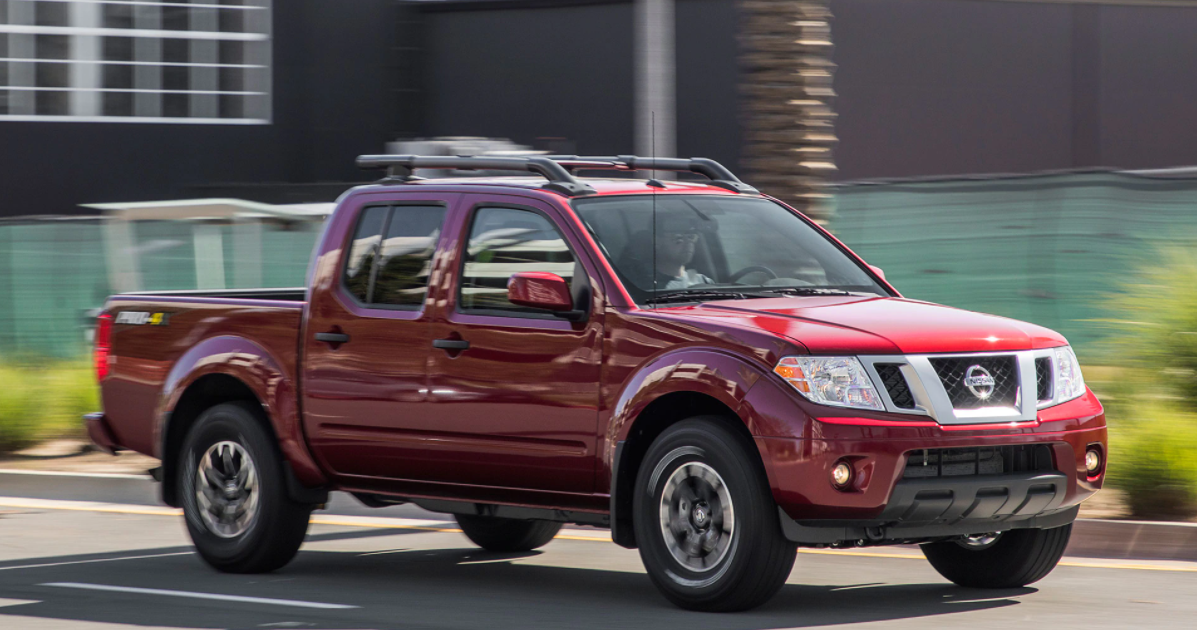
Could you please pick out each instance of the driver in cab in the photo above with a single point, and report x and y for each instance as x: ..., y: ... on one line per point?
x: 676, y: 239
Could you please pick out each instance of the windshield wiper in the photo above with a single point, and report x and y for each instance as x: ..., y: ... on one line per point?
x: 695, y: 296
x: 809, y: 291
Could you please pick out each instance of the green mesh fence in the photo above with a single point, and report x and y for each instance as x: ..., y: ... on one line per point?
x: 1046, y: 249
x: 54, y: 273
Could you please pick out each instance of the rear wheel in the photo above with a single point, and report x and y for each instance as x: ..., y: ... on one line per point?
x: 507, y: 534
x: 1002, y: 560
x: 706, y: 523
x: 234, y: 495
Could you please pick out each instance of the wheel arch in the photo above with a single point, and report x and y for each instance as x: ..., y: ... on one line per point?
x: 230, y: 369
x: 672, y: 388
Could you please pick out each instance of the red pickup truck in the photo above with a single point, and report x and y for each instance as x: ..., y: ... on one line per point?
x: 692, y: 364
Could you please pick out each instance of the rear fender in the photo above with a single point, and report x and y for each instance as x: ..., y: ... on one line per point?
x: 256, y: 367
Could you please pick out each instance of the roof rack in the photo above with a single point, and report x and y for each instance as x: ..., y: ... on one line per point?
x: 719, y: 174
x: 558, y: 169
x: 400, y: 167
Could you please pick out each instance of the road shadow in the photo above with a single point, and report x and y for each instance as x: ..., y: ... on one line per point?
x: 445, y: 588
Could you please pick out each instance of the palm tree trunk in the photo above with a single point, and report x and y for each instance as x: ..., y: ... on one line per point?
x: 788, y: 118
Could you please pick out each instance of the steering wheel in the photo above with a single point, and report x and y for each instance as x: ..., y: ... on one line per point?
x: 752, y: 269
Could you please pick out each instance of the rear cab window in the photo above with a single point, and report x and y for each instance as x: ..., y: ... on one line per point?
x: 390, y: 258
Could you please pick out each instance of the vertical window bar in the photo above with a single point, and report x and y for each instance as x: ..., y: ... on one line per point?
x: 86, y: 77
x: 258, y: 53
x: 22, y: 46
x: 4, y: 53
x: 147, y: 49
x: 205, y: 51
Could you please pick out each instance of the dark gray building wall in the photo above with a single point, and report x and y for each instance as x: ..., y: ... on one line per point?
x: 530, y: 74
x: 926, y: 87
x: 943, y: 87
x: 930, y: 87
x: 1148, y: 106
x: 533, y: 72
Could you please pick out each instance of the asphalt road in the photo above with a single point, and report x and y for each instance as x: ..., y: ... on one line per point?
x: 120, y: 561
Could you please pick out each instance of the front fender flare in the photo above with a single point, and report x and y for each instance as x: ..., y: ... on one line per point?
x: 724, y: 377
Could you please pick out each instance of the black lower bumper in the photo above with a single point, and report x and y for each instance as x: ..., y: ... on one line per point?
x: 923, y: 509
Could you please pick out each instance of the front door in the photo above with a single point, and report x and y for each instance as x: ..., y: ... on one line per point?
x: 368, y: 334
x: 514, y: 390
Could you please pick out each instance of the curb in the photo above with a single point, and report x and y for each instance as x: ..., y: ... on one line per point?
x: 1139, y: 540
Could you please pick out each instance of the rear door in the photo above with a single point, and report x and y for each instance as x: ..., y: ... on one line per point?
x: 515, y: 390
x: 368, y: 335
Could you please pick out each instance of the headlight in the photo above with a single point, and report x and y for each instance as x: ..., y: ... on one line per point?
x: 837, y: 381
x: 1069, y: 382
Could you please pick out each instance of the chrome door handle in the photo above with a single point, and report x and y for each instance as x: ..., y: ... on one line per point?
x: 332, y: 337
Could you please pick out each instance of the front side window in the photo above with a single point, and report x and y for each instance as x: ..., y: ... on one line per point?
x: 747, y: 246
x: 505, y: 241
x: 390, y: 258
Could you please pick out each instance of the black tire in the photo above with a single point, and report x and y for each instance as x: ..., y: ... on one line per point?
x: 1017, y: 558
x: 754, y: 562
x: 507, y: 534
x: 270, y: 539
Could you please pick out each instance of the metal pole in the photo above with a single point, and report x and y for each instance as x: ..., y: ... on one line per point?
x: 656, y: 95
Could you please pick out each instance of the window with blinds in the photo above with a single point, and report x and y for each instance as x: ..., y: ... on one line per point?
x: 174, y: 61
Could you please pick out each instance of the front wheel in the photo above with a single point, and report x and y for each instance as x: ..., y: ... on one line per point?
x: 234, y: 495
x: 705, y: 521
x: 1002, y: 560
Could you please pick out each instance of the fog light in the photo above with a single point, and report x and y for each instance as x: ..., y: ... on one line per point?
x: 1092, y: 461
x: 841, y: 475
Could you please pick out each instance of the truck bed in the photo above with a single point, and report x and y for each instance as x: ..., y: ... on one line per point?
x: 163, y: 334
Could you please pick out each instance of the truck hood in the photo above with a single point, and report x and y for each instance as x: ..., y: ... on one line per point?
x: 874, y: 325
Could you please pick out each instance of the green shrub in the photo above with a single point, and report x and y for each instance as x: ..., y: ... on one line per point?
x: 1157, y: 317
x: 1153, y: 439
x: 1153, y: 458
x: 71, y: 392
x: 39, y: 401
x: 20, y: 408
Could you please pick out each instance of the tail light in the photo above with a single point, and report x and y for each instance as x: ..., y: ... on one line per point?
x: 103, y: 344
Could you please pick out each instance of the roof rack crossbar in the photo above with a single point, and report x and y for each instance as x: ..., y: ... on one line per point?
x: 558, y: 169
x: 719, y: 174
x: 400, y: 167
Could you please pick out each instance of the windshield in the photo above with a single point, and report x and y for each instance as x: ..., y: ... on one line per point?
x: 711, y: 247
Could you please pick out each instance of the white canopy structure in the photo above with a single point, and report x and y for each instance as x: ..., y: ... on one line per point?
x: 208, y: 216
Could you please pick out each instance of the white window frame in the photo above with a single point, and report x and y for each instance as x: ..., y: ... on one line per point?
x: 86, y: 88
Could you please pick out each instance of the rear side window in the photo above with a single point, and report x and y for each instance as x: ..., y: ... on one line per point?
x: 390, y: 258
x: 362, y: 252
x: 504, y: 241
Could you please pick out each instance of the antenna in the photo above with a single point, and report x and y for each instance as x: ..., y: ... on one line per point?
x: 650, y: 185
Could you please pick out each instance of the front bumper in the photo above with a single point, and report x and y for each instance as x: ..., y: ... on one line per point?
x: 922, y: 509
x: 881, y: 505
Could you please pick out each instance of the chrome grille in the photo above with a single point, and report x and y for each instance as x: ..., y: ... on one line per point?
x: 895, y: 384
x: 1003, y: 369
x: 1043, y: 378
